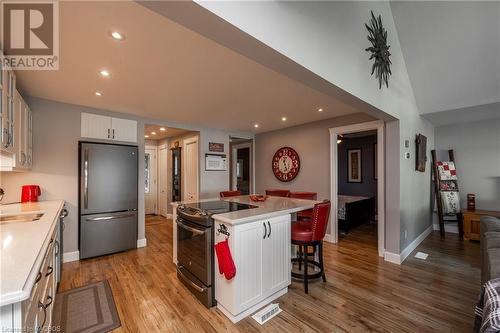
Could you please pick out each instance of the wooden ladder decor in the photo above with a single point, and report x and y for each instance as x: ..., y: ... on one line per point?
x: 438, y: 190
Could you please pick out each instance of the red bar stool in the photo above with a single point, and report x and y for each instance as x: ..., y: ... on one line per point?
x: 278, y: 193
x: 305, y: 215
x: 226, y: 194
x: 311, y: 234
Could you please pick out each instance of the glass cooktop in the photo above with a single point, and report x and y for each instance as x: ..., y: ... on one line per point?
x: 219, y: 206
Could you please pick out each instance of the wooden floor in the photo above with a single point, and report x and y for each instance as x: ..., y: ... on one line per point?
x: 363, y: 293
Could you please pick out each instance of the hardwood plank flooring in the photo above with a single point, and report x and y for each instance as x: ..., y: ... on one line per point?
x: 363, y: 293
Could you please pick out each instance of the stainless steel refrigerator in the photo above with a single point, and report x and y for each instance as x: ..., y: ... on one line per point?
x: 108, y: 187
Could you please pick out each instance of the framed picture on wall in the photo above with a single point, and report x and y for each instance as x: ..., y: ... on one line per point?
x: 354, y: 174
x: 375, y: 162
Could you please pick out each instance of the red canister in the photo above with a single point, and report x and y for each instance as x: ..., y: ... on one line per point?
x: 30, y: 193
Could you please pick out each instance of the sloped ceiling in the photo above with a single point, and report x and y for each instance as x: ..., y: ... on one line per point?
x: 452, y: 53
x: 165, y: 71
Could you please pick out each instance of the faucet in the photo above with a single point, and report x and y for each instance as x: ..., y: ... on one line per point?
x: 2, y: 192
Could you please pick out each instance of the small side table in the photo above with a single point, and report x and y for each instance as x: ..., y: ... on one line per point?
x: 472, y: 224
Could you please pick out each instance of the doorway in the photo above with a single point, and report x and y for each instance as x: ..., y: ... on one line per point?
x: 150, y: 175
x: 241, y: 162
x: 170, y: 173
x: 354, y: 174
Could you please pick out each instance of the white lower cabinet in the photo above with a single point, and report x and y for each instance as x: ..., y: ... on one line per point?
x: 35, y: 313
x: 261, y: 253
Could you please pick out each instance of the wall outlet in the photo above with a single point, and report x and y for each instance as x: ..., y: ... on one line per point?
x: 407, y: 155
x: 406, y: 234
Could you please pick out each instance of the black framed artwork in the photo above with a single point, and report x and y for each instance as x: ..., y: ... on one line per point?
x: 354, y: 170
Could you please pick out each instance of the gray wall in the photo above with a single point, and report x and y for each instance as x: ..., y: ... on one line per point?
x: 368, y: 186
x: 477, y: 154
x: 312, y: 143
x: 55, y: 168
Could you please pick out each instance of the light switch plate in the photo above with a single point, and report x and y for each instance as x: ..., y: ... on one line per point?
x: 407, y: 143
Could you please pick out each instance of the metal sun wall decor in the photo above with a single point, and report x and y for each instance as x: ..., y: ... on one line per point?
x: 377, y: 35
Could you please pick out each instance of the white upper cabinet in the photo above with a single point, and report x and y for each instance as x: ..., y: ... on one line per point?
x: 124, y: 130
x: 95, y: 126
x: 17, y: 138
x: 107, y: 128
x: 8, y: 90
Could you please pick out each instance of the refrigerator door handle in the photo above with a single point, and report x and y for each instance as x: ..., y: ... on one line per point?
x: 86, y: 178
x: 113, y: 217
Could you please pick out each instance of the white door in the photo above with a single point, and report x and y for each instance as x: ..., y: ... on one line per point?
x: 150, y: 180
x: 162, y: 180
x: 190, y: 162
x: 276, y: 264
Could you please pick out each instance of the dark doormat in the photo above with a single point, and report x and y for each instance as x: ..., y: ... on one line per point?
x: 88, y: 309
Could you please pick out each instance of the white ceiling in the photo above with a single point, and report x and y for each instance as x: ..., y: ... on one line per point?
x: 452, y: 52
x: 165, y: 71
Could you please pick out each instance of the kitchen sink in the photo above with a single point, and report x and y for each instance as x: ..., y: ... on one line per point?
x: 29, y: 217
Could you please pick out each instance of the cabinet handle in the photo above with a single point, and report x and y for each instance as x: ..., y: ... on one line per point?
x: 108, y: 133
x: 42, y: 306
x: 265, y: 230
x: 38, y: 277
x: 269, y: 224
x: 50, y: 270
x: 113, y: 133
x: 57, y: 247
x: 50, y: 299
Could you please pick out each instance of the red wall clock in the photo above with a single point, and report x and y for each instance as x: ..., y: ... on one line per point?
x: 286, y: 164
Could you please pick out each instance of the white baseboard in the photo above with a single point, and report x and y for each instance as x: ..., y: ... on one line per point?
x: 399, y: 258
x: 328, y: 238
x: 392, y: 257
x: 141, y: 242
x: 413, y: 245
x: 169, y: 216
x: 451, y: 228
x: 71, y: 256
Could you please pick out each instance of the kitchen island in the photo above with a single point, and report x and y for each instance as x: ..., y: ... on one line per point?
x: 260, y: 244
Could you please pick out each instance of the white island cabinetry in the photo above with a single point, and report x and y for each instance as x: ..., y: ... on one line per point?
x: 261, y: 253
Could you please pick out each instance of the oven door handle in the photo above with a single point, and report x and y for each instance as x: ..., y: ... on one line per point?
x: 191, y: 283
x: 193, y: 230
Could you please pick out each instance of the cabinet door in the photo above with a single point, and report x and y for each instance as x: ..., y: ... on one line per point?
x: 20, y: 130
x: 247, y: 245
x: 124, y: 130
x: 8, y: 117
x: 276, y: 265
x: 95, y: 126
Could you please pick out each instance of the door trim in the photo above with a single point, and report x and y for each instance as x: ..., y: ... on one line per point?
x: 334, y: 132
x: 185, y: 142
x: 155, y: 149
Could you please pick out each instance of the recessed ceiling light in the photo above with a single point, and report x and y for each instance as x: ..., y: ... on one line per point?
x: 256, y: 125
x: 320, y: 110
x: 116, y: 35
x: 283, y: 118
x: 153, y: 133
x: 104, y: 73
x: 98, y: 93
x: 162, y: 129
x: 146, y: 136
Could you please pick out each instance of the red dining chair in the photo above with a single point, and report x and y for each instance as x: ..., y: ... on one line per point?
x: 311, y: 234
x: 226, y: 194
x: 277, y: 193
x: 305, y: 215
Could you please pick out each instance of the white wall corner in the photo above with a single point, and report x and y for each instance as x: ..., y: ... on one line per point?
x: 141, y: 242
x: 413, y: 245
x: 71, y: 256
x: 169, y: 216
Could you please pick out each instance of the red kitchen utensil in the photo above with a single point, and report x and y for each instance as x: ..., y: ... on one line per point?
x: 225, y: 260
x: 30, y: 193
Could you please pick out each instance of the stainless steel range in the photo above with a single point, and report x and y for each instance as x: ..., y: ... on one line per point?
x: 195, y: 245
